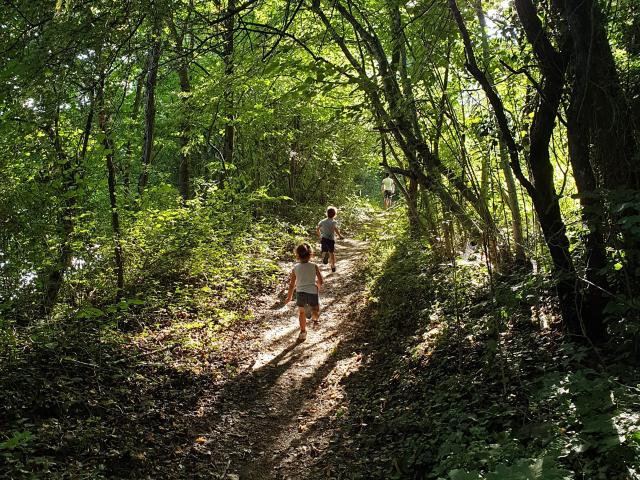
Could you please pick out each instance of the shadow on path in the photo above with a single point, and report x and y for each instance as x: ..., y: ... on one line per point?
x: 255, y: 425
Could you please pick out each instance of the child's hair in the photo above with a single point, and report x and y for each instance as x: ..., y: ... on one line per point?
x: 303, y: 251
x: 331, y: 212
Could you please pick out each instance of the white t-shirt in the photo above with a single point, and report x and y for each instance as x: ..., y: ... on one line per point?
x: 306, y: 277
x: 327, y: 227
x: 388, y: 184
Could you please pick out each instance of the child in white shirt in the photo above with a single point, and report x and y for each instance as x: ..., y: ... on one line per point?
x: 306, y: 279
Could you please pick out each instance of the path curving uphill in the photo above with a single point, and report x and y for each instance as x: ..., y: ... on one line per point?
x: 274, y: 418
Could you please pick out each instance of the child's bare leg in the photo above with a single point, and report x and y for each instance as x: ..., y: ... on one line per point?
x: 302, y: 318
x: 315, y: 314
x: 333, y: 260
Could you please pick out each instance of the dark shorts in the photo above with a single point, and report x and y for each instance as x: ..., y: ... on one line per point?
x: 327, y: 245
x: 388, y: 194
x: 304, y: 298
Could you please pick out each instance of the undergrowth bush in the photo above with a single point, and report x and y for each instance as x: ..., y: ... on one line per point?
x: 191, y: 273
x: 187, y: 269
x: 469, y: 381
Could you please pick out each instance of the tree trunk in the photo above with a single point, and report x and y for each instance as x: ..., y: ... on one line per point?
x: 514, y: 207
x: 486, y: 67
x: 184, y: 170
x: 412, y: 202
x: 294, y: 160
x: 600, y: 103
x: 229, y: 100
x: 553, y: 65
x: 545, y: 201
x: 150, y: 105
x: 602, y: 145
x: 124, y: 165
x: 433, y: 226
x: 596, y: 263
x: 55, y: 277
x: 104, y: 121
x: 541, y: 190
x: 416, y: 223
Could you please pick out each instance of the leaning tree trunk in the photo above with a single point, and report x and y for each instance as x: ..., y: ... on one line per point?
x: 396, y: 111
x: 512, y: 194
x: 541, y: 189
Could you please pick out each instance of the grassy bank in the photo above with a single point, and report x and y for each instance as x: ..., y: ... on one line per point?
x: 461, y: 380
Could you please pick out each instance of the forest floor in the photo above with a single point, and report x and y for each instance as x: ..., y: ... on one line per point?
x: 252, y: 402
x: 417, y: 370
x: 274, y: 419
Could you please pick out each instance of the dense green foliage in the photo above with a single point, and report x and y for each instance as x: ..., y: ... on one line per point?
x: 55, y: 188
x: 460, y: 382
x: 76, y: 385
x: 159, y: 157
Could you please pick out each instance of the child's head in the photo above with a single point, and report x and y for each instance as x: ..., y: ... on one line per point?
x: 303, y: 252
x: 331, y: 212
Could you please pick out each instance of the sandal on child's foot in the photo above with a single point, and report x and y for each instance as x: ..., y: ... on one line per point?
x: 333, y: 269
x: 302, y: 336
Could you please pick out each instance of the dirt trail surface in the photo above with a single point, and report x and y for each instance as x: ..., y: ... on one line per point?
x: 273, y: 419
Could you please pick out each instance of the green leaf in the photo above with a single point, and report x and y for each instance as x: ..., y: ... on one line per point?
x: 17, y: 440
x: 458, y: 474
x: 90, y: 312
x: 530, y: 469
x: 629, y: 220
x: 626, y: 205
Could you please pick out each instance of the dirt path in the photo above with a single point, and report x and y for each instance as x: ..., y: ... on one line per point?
x: 274, y: 418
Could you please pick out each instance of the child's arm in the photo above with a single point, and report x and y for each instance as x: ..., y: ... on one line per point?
x: 292, y: 285
x: 318, y: 231
x: 335, y: 229
x: 319, y: 278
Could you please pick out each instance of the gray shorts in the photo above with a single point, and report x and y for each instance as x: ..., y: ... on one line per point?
x: 304, y: 298
x: 327, y: 245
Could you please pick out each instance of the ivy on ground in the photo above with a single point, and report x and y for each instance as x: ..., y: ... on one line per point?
x: 461, y: 381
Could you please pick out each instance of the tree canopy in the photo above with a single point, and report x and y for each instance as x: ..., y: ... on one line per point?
x: 160, y: 153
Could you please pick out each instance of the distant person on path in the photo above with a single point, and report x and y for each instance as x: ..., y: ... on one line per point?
x: 388, y: 188
x: 327, y: 230
x: 306, y: 279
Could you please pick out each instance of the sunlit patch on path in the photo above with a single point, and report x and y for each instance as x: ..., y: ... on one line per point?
x: 267, y: 421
